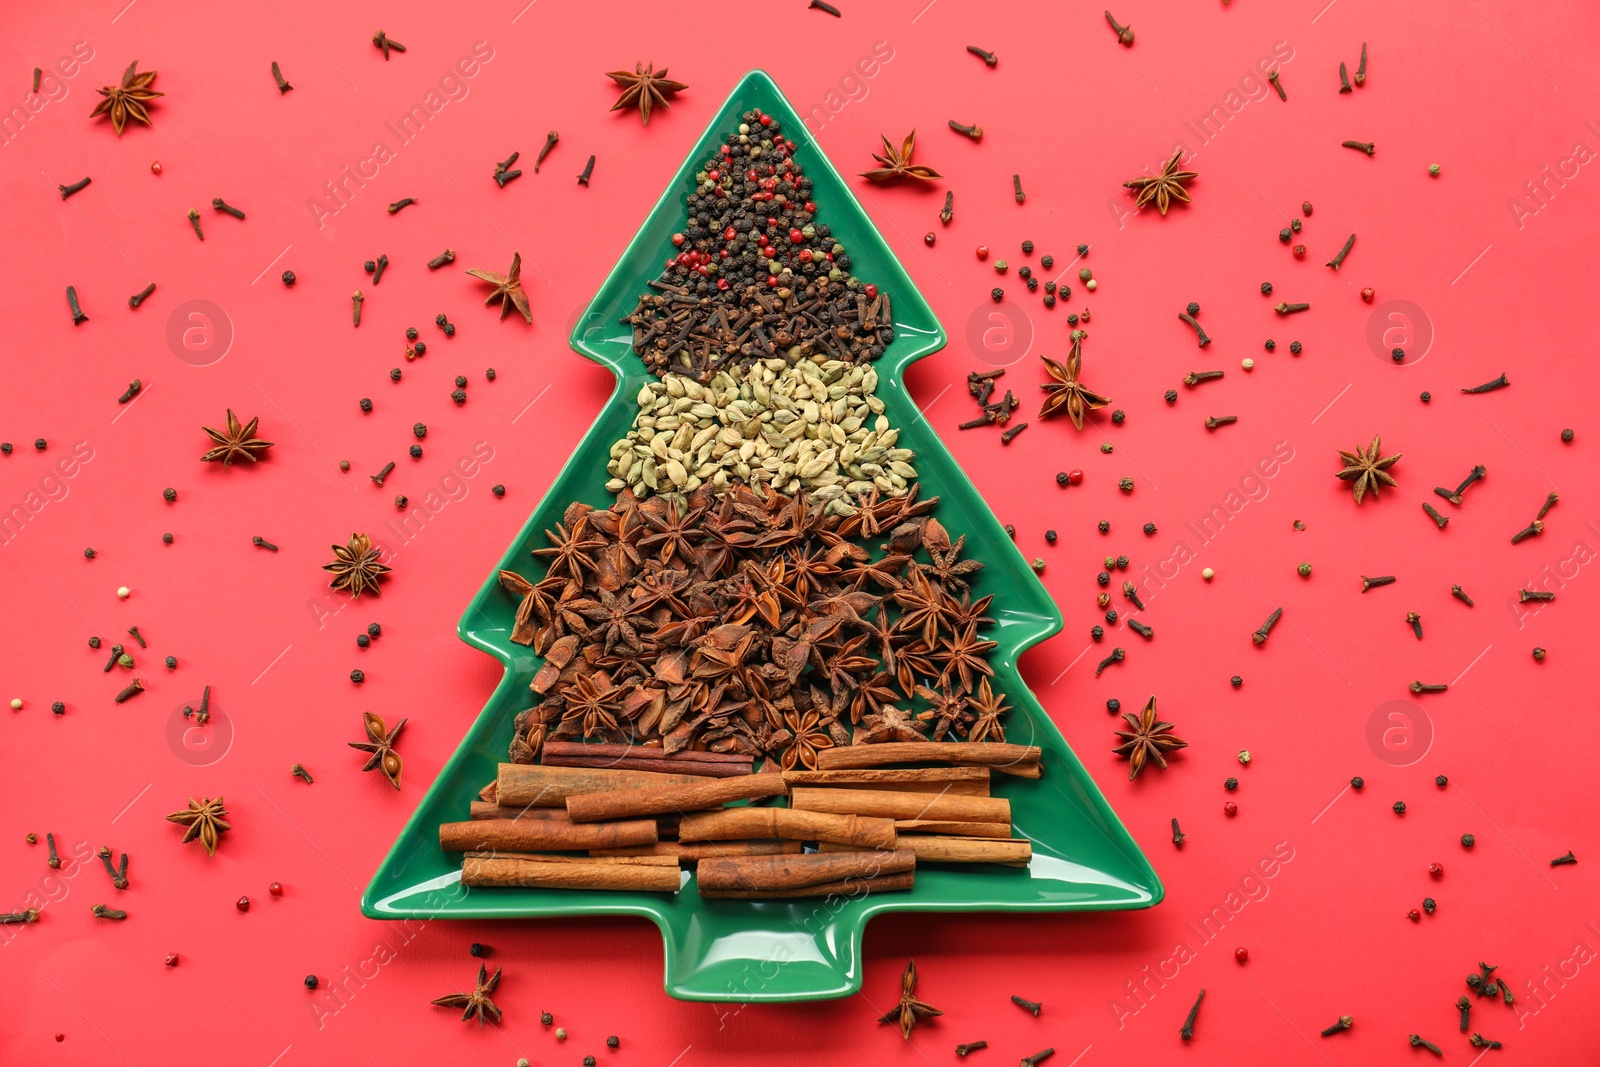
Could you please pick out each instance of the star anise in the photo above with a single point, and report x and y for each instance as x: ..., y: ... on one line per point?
x: 897, y: 162
x: 644, y: 88
x: 570, y: 548
x: 922, y: 605
x: 380, y: 742
x: 988, y: 707
x: 128, y: 100
x: 355, y: 566
x: 809, y: 733
x: 947, y: 711
x: 477, y: 1002
x: 676, y: 530
x: 537, y: 601
x: 965, y: 654
x: 1367, y: 469
x: 239, y: 442
x: 889, y: 723
x: 948, y: 568
x: 592, y: 705
x: 1146, y: 740
x: 910, y: 1009
x: 205, y: 820
x: 1065, y: 389
x: 1164, y: 187
x: 507, y: 288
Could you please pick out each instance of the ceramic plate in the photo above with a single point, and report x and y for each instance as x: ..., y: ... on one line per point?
x: 744, y: 951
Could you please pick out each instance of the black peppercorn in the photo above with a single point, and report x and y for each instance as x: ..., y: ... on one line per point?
x: 172, y: 663
x: 1171, y: 396
x: 1286, y: 235
x: 401, y: 502
x: 1399, y: 807
x: 1049, y: 300
x: 358, y: 677
x: 1119, y: 416
x: 420, y: 348
x: 1295, y: 225
x: 374, y: 630
x: 1111, y: 616
x: 41, y: 444
x: 411, y: 333
x: 88, y: 553
x: 1083, y: 250
x: 394, y: 374
x: 476, y: 950
x: 1027, y: 248
x: 461, y: 381
x: 1467, y: 840
x: 612, y: 1041
x: 1397, y: 354
x: 1011, y: 531
x: 458, y: 395
x: 489, y: 374
x: 419, y: 430
x: 166, y: 539
x: 366, y: 403
x: 545, y: 1018
x: 1441, y: 781
x: 1149, y: 528
x: 588, y: 1061
x: 498, y: 490
x: 1429, y: 904
x: 1104, y: 578
x: 1231, y: 784
x: 1193, y: 308
x: 5, y: 447
x: 416, y: 451
x: 288, y: 277
x: 1033, y: 285
x: 1047, y: 262
x: 1266, y: 288
x: 1426, y: 396
x: 311, y: 981
x: 1236, y: 681
x: 1270, y: 345
x: 1294, y: 347
x: 997, y: 294
x: 1061, y: 477
x: 1567, y: 436
x: 1072, y: 320
x: 59, y: 708
x: 1050, y: 535
x: 449, y: 329
x: 1096, y: 632
x: 169, y: 494
x: 369, y: 266
x: 362, y: 640
x: 1357, y: 782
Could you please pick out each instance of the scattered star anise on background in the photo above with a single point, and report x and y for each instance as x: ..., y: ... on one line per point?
x: 355, y: 566
x: 897, y: 162
x: 1367, y: 469
x: 477, y: 1002
x: 644, y: 88
x: 380, y: 742
x: 128, y: 100
x: 1065, y: 390
x: 507, y: 288
x: 239, y: 442
x: 1147, y: 740
x: 910, y: 1009
x: 1164, y: 187
x: 205, y: 820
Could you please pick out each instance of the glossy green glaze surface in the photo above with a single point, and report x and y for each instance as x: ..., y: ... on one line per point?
x: 801, y: 950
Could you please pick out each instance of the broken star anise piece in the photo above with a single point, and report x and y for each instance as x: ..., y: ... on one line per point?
x: 1367, y: 469
x: 239, y: 442
x: 355, y: 566
x: 1146, y: 740
x: 1164, y: 187
x: 910, y: 1009
x: 1064, y: 388
x: 644, y: 88
x: 507, y: 289
x: 476, y: 1002
x: 897, y: 162
x: 205, y: 819
x: 380, y: 742
x: 128, y: 100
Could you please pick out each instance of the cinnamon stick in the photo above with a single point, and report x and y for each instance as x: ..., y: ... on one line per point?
x: 487, y: 792
x: 483, y: 809
x: 542, y: 835
x: 930, y: 849
x: 521, y: 785
x: 625, y: 877
x: 1016, y: 770
x: 632, y: 803
x: 883, y: 804
x: 959, y: 829
x: 706, y: 770
x: 563, y: 857
x: 691, y: 854
x: 737, y: 824
x: 966, y: 781
x: 796, y: 872
x: 991, y: 754
x: 849, y: 887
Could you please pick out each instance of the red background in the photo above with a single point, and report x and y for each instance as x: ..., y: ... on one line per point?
x: 1499, y: 94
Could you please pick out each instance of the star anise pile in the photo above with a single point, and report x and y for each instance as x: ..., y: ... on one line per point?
x: 758, y: 626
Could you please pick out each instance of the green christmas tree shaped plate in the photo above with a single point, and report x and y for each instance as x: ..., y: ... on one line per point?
x: 724, y: 950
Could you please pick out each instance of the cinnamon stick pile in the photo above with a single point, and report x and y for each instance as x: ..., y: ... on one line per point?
x: 850, y: 827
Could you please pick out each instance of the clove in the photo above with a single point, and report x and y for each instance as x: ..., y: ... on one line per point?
x: 100, y: 911
x: 1265, y: 629
x: 447, y: 256
x: 1117, y: 656
x: 1290, y: 309
x: 72, y: 304
x: 1423, y: 687
x: 1273, y: 76
x: 1490, y: 386
x: 355, y: 306
x: 219, y: 204
x: 131, y: 392
x: 1418, y: 1042
x: 1373, y: 583
x: 1349, y: 243
x: 1213, y: 421
x: 948, y: 213
x: 550, y: 140
x: 1415, y: 622
x: 1177, y: 834
x: 1124, y: 33
x: 1361, y: 146
x: 1131, y: 591
x: 1433, y: 513
x: 1188, y: 1024
x: 588, y: 169
x: 194, y: 220
x: 1361, y: 71
x: 78, y: 186
x: 1016, y: 186
x: 1028, y: 1005
x: 1344, y: 1023
x: 1195, y: 377
x: 138, y: 298
x: 1344, y: 78
x: 277, y: 76
x: 989, y: 58
x: 133, y: 688
x: 301, y: 773
x: 974, y: 131
x: 1199, y: 332
x: 970, y: 1046
x: 403, y: 202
